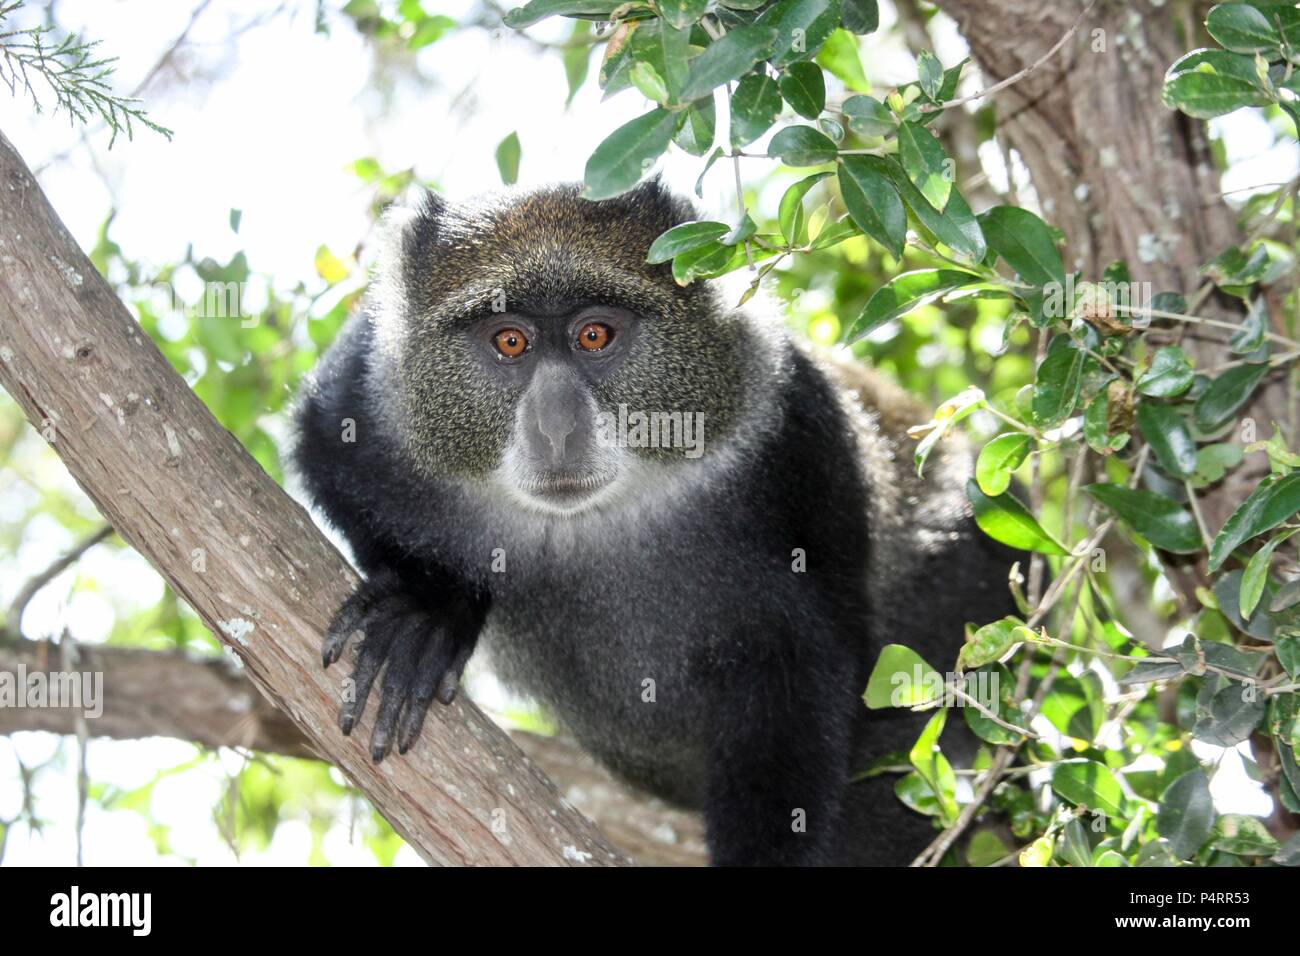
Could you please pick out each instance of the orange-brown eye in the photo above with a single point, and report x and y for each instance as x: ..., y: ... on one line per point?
x: 594, y: 336
x: 511, y: 343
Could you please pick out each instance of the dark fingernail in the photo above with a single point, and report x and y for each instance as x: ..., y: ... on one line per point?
x: 346, y: 721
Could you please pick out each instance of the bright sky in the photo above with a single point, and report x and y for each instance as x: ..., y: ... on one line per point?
x: 270, y: 127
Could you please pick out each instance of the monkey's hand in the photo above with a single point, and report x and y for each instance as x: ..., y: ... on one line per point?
x: 421, y: 642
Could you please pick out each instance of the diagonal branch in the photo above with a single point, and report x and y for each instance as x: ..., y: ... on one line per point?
x: 185, y: 494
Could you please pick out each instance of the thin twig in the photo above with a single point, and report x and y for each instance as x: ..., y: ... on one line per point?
x: 1016, y: 77
x: 28, y: 590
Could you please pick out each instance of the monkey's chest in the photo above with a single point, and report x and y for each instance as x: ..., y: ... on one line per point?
x: 614, y: 667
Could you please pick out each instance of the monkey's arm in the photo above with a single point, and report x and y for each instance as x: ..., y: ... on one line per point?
x: 778, y: 758
x: 410, y: 614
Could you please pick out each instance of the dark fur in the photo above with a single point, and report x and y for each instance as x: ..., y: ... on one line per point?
x: 758, y: 670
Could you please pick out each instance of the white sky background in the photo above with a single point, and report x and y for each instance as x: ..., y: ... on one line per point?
x: 269, y: 126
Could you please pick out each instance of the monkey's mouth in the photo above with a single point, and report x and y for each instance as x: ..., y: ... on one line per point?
x: 564, y: 490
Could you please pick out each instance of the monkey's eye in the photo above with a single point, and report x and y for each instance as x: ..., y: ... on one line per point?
x: 594, y: 336
x: 511, y: 343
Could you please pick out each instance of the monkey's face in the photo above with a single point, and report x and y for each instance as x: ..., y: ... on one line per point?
x: 541, y: 353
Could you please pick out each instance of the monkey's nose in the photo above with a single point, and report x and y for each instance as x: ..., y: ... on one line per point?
x: 556, y: 426
x: 556, y: 403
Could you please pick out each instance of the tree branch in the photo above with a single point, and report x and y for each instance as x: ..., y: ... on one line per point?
x: 185, y: 494
x: 207, y: 701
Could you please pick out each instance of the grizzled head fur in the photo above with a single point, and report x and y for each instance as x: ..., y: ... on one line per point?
x: 545, y: 254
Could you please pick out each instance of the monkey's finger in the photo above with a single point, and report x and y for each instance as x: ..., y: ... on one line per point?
x: 379, y: 638
x: 344, y: 626
x: 450, y: 681
x: 429, y: 672
x: 398, y: 677
x: 348, y: 618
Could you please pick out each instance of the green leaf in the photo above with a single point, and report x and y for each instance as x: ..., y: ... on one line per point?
x: 802, y: 146
x: 1288, y: 654
x: 1167, y: 434
x: 1038, y: 853
x: 648, y: 82
x: 839, y: 57
x: 1170, y: 374
x: 998, y: 459
x: 539, y: 10
x: 685, y: 237
x: 1004, y: 518
x: 1281, y: 460
x: 945, y: 417
x: 1251, y: 335
x: 1243, y: 835
x: 924, y: 162
x: 902, y: 678
x: 1213, y: 62
x: 1106, y: 857
x: 985, y: 849
x: 934, y: 768
x: 873, y: 203
x: 1074, y: 847
x: 869, y: 117
x: 508, y: 153
x: 1057, y: 385
x: 1076, y: 706
x: 995, y: 689
x: 989, y: 643
x: 620, y: 161
x: 1097, y: 426
x: 802, y: 26
x: 861, y: 16
x: 755, y: 105
x: 728, y: 59
x: 1231, y: 716
x: 1213, y: 462
x: 804, y: 88
x: 1025, y: 242
x: 1242, y: 29
x: 1256, y: 574
x: 794, y: 224
x: 1227, y: 393
x: 1090, y: 784
x: 1186, y: 813
x: 906, y: 292
x: 1207, y: 95
x: 712, y: 259
x: 682, y: 13
x: 929, y: 74
x: 695, y: 131
x: 956, y: 227
x: 1273, y: 501
x: 577, y: 60
x: 1162, y: 521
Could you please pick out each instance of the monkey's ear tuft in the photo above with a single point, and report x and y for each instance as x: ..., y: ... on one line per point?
x: 427, y: 210
x: 653, y: 201
x: 428, y: 204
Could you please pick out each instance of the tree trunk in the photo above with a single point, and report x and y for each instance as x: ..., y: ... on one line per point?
x: 186, y: 495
